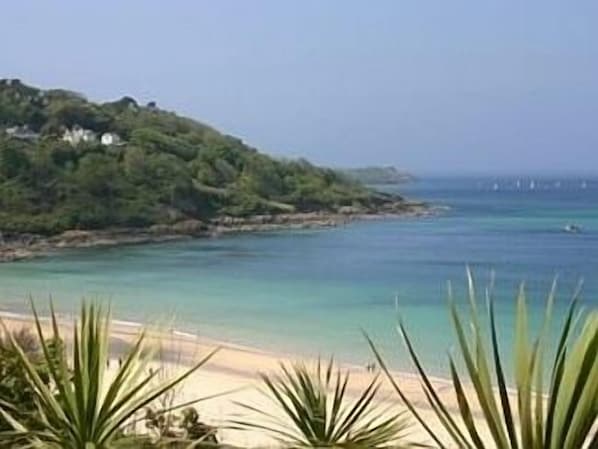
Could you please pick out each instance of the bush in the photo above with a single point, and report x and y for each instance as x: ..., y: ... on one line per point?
x: 320, y: 415
x: 562, y: 416
x: 77, y: 407
x: 16, y: 392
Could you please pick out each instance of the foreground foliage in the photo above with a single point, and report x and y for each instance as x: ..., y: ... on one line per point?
x: 318, y: 413
x: 81, y: 408
x: 559, y: 415
x: 167, y: 168
x: 14, y: 387
x: 174, y: 429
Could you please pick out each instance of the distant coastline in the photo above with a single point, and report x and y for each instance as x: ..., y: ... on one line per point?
x: 22, y: 246
x: 374, y: 175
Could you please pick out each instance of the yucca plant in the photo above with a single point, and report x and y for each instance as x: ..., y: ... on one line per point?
x: 317, y: 412
x: 83, y: 409
x: 560, y: 414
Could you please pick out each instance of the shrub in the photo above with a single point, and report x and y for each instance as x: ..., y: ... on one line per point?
x: 318, y: 414
x: 14, y: 388
x: 180, y: 427
x: 559, y: 417
x: 83, y: 409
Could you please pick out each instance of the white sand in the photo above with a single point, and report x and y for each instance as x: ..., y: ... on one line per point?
x: 234, y: 369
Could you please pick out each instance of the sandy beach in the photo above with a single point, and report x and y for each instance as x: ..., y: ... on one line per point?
x: 233, y: 370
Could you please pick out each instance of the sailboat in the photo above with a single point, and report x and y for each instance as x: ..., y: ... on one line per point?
x: 532, y: 185
x: 495, y: 186
x: 584, y: 185
x: 518, y: 184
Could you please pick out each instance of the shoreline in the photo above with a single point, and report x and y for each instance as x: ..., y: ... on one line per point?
x: 235, y: 369
x: 123, y: 327
x: 24, y: 246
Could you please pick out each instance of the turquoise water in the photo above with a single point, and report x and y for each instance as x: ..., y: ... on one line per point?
x: 311, y: 292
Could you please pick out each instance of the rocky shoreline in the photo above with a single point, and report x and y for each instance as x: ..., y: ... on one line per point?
x: 15, y: 247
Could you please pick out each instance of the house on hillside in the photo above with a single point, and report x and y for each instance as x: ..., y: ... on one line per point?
x: 77, y: 135
x: 110, y: 139
x: 21, y: 132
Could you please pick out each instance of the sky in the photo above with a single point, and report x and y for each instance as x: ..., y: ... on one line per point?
x: 495, y: 86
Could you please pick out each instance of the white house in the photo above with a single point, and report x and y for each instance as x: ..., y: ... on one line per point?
x: 77, y: 135
x: 21, y: 132
x: 110, y: 139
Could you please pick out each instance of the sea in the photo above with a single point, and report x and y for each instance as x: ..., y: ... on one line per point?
x: 319, y: 292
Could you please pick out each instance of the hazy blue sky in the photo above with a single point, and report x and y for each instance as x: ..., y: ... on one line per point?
x: 450, y: 86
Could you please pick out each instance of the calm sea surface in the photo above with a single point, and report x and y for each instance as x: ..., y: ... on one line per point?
x: 312, y: 292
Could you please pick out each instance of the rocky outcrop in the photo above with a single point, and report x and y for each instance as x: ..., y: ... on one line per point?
x: 308, y: 219
x: 25, y: 246
x: 187, y: 227
x: 262, y: 223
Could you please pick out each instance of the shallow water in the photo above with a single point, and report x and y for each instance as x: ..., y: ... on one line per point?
x: 312, y: 292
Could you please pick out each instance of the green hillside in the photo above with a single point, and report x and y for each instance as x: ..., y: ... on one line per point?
x: 159, y: 168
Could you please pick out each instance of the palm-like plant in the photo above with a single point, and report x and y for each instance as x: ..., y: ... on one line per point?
x: 84, y: 410
x: 563, y: 416
x: 316, y: 411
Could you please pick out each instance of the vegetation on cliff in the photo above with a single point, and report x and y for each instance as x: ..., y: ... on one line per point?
x: 159, y: 168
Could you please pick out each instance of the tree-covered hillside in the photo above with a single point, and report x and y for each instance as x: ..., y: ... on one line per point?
x: 159, y: 168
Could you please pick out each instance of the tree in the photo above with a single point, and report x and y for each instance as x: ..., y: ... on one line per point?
x: 13, y: 160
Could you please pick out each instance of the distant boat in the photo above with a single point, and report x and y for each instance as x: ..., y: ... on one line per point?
x: 584, y: 185
x: 572, y: 228
x: 518, y: 184
x: 495, y: 186
x: 532, y: 185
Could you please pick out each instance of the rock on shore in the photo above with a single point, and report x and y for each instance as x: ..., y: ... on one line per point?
x: 25, y: 246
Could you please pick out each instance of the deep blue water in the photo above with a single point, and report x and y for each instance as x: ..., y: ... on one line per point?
x: 311, y: 292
